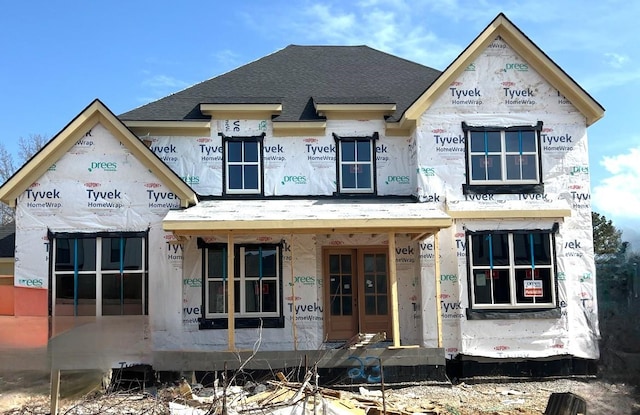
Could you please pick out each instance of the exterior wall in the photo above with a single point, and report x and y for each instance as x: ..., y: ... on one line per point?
x: 486, y: 94
x: 6, y: 287
x: 293, y: 166
x: 303, y: 295
x: 97, y: 186
x: 429, y: 165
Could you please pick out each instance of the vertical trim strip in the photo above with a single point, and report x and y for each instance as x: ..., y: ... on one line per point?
x: 393, y: 282
x: 75, y: 276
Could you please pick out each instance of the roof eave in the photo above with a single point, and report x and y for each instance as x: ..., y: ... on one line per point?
x: 521, y: 44
x: 94, y: 113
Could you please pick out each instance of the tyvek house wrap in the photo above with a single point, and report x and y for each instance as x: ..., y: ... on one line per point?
x: 293, y: 166
x: 500, y: 89
x: 99, y: 186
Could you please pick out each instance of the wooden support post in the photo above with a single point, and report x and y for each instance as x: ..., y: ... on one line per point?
x: 436, y: 254
x: 293, y: 297
x: 55, y: 391
x: 230, y: 294
x: 393, y: 285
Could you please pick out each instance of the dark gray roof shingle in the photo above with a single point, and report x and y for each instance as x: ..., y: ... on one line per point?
x: 296, y: 76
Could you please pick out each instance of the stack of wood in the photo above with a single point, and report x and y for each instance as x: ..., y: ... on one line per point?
x: 285, y: 395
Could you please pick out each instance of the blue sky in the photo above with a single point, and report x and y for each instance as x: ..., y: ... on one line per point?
x: 57, y: 56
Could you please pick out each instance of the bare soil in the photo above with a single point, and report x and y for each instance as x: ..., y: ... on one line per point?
x: 81, y: 393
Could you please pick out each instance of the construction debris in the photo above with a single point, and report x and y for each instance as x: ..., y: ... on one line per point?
x: 282, y: 397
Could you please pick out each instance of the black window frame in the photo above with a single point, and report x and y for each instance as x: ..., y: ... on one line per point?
x: 374, y: 170
x: 208, y: 321
x: 511, y: 310
x: 99, y: 271
x: 259, y: 140
x: 502, y: 186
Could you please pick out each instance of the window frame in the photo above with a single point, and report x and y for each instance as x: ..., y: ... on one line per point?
x: 242, y: 317
x: 503, y: 185
x: 514, y: 308
x: 99, y: 271
x: 340, y: 189
x: 226, y: 140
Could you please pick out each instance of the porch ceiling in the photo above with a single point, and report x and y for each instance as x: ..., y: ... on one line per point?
x: 308, y: 216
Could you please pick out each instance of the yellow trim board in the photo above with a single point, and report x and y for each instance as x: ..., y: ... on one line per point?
x: 94, y: 113
x: 299, y: 128
x: 355, y: 226
x: 169, y: 128
x: 354, y: 111
x: 509, y: 213
x: 521, y: 44
x: 241, y: 111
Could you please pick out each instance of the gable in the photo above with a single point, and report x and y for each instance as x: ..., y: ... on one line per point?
x: 77, y: 132
x: 501, y: 33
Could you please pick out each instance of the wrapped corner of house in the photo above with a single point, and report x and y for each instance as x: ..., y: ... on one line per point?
x: 449, y: 210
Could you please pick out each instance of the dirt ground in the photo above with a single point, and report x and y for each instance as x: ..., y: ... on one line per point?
x: 27, y: 393
x: 616, y: 390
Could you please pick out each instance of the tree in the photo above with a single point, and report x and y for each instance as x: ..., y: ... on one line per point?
x: 27, y: 147
x: 607, y: 239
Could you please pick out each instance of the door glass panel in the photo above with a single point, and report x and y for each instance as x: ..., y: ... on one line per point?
x: 346, y: 264
x: 340, y: 285
x: 346, y: 306
x: 370, y: 305
x: 382, y: 305
x: 375, y: 284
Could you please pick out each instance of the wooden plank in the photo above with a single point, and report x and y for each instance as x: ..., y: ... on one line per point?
x: 55, y: 391
x: 393, y: 283
x: 436, y: 254
x: 230, y: 294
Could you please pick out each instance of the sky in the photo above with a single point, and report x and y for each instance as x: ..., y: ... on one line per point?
x: 57, y: 56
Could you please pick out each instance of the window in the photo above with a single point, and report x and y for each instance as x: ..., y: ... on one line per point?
x: 503, y: 160
x: 99, y: 275
x: 257, y: 285
x: 512, y: 270
x: 243, y: 164
x: 356, y: 164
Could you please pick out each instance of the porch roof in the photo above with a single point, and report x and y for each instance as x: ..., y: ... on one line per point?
x: 285, y: 216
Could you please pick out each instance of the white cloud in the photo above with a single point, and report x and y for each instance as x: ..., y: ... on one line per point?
x: 616, y: 60
x: 164, y: 81
x: 227, y: 58
x: 619, y: 194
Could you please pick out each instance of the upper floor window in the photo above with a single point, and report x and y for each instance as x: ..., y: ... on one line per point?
x: 512, y: 270
x: 356, y: 164
x: 503, y: 160
x: 243, y: 164
x: 99, y: 274
x: 257, y: 285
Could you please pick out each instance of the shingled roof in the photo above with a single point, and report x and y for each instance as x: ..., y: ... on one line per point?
x: 298, y: 76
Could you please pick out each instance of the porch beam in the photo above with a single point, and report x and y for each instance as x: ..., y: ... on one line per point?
x: 436, y: 254
x: 230, y: 294
x: 393, y: 282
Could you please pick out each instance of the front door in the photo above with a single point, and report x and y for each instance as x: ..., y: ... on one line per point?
x: 356, y: 293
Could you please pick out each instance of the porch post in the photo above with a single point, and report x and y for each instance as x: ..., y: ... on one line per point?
x: 230, y: 293
x: 436, y: 253
x: 55, y: 390
x: 393, y: 283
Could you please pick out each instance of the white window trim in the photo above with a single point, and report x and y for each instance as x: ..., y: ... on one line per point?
x: 243, y: 163
x: 242, y: 279
x: 98, y: 273
x: 372, y: 153
x: 514, y: 305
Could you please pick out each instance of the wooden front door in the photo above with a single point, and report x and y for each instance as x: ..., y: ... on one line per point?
x: 356, y: 292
